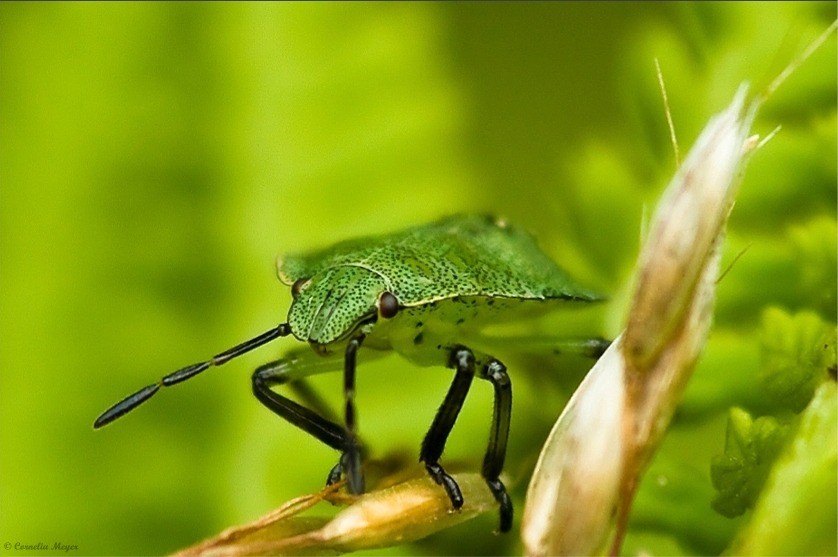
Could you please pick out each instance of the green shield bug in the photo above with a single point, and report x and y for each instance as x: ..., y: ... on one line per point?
x: 423, y: 293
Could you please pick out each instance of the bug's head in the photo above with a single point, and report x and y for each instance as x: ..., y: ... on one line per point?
x: 333, y: 304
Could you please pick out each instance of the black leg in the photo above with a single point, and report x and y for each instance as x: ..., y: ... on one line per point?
x: 344, y: 439
x: 309, y: 421
x: 495, y: 372
x: 351, y: 459
x: 462, y: 359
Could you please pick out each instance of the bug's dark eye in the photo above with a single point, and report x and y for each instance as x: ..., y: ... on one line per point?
x: 388, y: 305
x: 297, y: 287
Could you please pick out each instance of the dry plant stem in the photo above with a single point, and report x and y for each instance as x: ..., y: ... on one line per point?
x: 690, y: 216
x: 652, y: 395
x: 673, y: 301
x: 236, y: 533
x: 594, y: 457
x: 580, y: 463
x: 401, y: 513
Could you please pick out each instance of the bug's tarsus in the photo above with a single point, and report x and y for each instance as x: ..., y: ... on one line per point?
x: 335, y: 474
x: 443, y: 478
x: 129, y: 403
x: 504, y: 501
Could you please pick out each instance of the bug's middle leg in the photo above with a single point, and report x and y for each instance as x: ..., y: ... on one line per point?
x: 465, y: 364
x: 462, y: 360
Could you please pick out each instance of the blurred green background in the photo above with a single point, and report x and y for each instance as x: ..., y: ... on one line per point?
x: 155, y: 158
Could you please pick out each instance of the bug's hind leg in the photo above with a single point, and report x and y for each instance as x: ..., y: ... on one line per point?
x: 495, y: 372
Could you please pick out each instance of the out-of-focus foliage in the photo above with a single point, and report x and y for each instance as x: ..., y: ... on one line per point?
x: 156, y: 157
x: 750, y: 450
x: 797, y: 352
x: 797, y: 355
x: 796, y: 513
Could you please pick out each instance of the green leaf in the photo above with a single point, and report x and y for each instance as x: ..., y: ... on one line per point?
x: 797, y: 510
x: 797, y: 350
x: 796, y: 353
x: 750, y: 449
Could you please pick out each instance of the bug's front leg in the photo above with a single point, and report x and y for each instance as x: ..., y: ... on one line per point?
x: 350, y: 461
x: 320, y: 422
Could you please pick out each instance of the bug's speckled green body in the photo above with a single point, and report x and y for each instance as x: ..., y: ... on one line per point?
x: 425, y: 293
x: 454, y: 273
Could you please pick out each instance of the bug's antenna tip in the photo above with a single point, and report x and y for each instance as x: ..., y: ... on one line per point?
x: 125, y: 405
